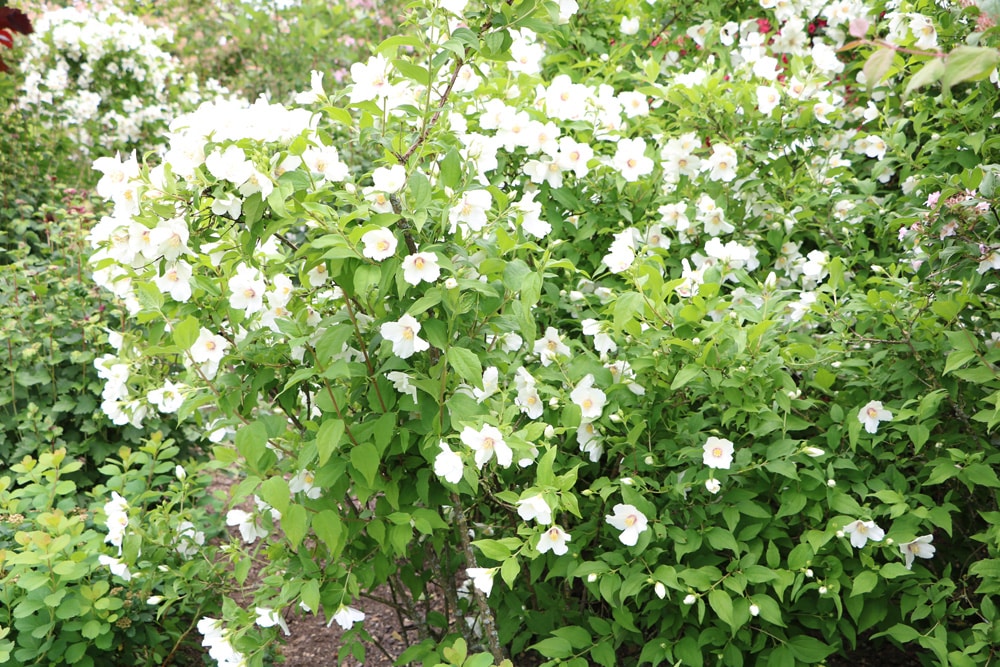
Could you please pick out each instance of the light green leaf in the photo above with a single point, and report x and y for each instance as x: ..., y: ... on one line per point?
x: 365, y: 459
x: 295, y: 523
x: 466, y: 364
x: 864, y: 583
x: 968, y: 63
x: 328, y: 439
x: 877, y: 66
x: 328, y: 528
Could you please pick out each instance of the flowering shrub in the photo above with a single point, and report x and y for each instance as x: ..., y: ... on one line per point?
x: 670, y: 335
x: 121, y: 583
x: 245, y: 44
x: 102, y: 77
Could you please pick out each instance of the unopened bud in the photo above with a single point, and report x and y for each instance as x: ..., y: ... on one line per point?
x: 660, y: 590
x: 690, y: 599
x: 754, y: 610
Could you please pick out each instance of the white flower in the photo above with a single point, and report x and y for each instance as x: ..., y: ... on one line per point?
x: 485, y: 442
x: 920, y: 547
x: 873, y: 413
x: 208, y: 348
x: 862, y: 531
x: 167, y: 398
x: 490, y: 384
x: 590, y: 399
x: 471, y: 209
x: 379, y: 244
x: 482, y: 578
x: 722, y: 164
x: 535, y: 507
x: 718, y: 453
x: 629, y: 520
x: 247, y: 290
x: 554, y: 539
x: 421, y: 266
x: 117, y: 567
x: 401, y: 383
x: 346, y: 617
x: 403, y: 336
x: 389, y: 179
x: 690, y: 599
x: 315, y: 92
x: 325, y: 161
x: 268, y: 618
x: 629, y: 25
x: 549, y: 346
x: 630, y: 159
x: 713, y: 485
x: 754, y: 610
x: 250, y: 529
x: 448, y: 464
x: 189, y: 539
x: 304, y: 481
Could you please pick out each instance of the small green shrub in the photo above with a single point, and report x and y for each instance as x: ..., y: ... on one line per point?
x: 65, y: 596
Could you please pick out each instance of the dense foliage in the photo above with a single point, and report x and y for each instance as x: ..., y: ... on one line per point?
x: 635, y: 334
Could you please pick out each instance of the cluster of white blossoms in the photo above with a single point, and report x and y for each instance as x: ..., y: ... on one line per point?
x: 216, y: 640
x: 235, y: 167
x: 104, y: 76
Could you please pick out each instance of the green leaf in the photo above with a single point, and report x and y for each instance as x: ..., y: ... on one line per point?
x: 251, y: 441
x: 365, y: 459
x: 577, y: 637
x: 877, y: 66
x: 722, y: 605
x: 928, y: 74
x: 968, y: 63
x: 493, y: 549
x: 531, y: 289
x: 981, y: 474
x: 509, y: 571
x: 295, y: 523
x: 684, y: 376
x: 328, y: 439
x: 186, y: 332
x: 808, y: 649
x: 328, y: 529
x: 864, y: 583
x: 451, y: 169
x: 466, y: 363
x: 275, y: 493
x: 554, y: 647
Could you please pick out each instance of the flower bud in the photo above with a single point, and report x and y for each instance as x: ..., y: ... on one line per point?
x: 549, y: 431
x: 809, y: 573
x: 180, y: 472
x: 831, y: 483
x: 450, y: 283
x: 813, y: 451
x: 660, y: 590
x: 822, y: 590
x: 592, y: 577
x: 754, y: 610
x: 690, y: 599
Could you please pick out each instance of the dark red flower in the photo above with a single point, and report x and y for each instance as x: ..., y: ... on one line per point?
x: 16, y: 20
